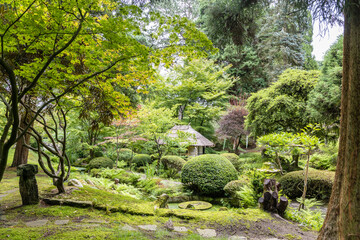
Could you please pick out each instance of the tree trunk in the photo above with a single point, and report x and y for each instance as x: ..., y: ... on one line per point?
x: 21, y: 152
x: 343, y: 216
x: 59, y: 184
x: 295, y: 158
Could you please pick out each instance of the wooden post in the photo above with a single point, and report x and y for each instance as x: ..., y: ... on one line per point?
x: 270, y: 200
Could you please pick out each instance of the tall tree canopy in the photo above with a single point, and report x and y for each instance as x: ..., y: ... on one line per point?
x: 282, y: 105
x: 53, y: 48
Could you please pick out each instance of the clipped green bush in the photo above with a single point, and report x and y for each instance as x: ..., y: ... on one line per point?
x: 208, y: 174
x: 141, y: 160
x: 173, y: 162
x: 319, y: 184
x: 232, y: 187
x: 100, y: 162
x: 98, y: 153
x: 234, y: 159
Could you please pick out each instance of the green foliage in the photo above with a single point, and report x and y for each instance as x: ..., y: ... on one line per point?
x: 121, y: 174
x: 208, y: 174
x: 283, y: 34
x: 125, y: 155
x: 232, y: 187
x: 324, y: 100
x: 234, y: 159
x: 323, y: 161
x: 257, y: 181
x: 140, y: 160
x: 319, y: 184
x: 195, y: 92
x: 100, y: 162
x: 98, y: 154
x: 248, y: 196
x: 173, y: 162
x: 307, y: 216
x: 249, y: 161
x: 150, y: 169
x: 281, y: 106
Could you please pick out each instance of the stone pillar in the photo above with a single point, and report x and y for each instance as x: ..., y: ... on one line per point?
x: 28, y: 186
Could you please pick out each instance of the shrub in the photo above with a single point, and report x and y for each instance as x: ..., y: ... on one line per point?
x: 141, y: 160
x: 232, y: 187
x: 208, y: 174
x: 173, y: 162
x: 100, y: 162
x: 323, y: 161
x: 234, y: 159
x: 249, y: 161
x: 98, y: 153
x: 319, y: 184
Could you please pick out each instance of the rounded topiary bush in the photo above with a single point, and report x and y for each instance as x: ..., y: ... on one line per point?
x: 141, y: 160
x: 208, y: 174
x: 98, y: 153
x: 319, y: 184
x: 234, y: 159
x: 125, y: 154
x: 100, y: 162
x: 232, y: 187
x: 173, y: 162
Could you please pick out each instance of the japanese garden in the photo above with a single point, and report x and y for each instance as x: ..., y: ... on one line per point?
x: 179, y: 119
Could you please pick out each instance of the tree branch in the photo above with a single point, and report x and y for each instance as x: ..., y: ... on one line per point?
x: 12, y: 24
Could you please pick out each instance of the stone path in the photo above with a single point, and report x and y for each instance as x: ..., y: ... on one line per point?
x: 148, y: 227
x: 4, y: 194
x: 93, y: 223
x: 206, y: 232
x: 37, y: 223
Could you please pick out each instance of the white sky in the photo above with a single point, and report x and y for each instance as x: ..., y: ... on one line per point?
x: 322, y: 39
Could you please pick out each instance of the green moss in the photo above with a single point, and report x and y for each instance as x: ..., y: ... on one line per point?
x: 219, y: 217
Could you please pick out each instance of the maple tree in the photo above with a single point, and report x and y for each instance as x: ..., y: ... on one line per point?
x: 52, y: 49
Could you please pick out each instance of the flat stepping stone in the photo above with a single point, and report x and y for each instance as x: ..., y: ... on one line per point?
x: 61, y: 222
x: 37, y: 223
x: 127, y: 228
x: 237, y: 238
x: 95, y: 221
x: 148, y: 227
x: 88, y: 225
x: 180, y: 229
x: 197, y: 205
x: 207, y: 233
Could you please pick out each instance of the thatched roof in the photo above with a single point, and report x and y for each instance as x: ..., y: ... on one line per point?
x: 199, y: 139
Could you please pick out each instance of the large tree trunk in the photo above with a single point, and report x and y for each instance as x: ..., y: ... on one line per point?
x: 21, y: 152
x: 343, y: 217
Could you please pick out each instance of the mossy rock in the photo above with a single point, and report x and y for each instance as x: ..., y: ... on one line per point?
x: 208, y: 174
x: 101, y: 162
x: 234, y: 159
x: 173, y: 162
x: 196, y: 205
x: 319, y: 184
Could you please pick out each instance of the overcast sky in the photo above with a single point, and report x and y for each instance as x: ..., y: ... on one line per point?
x: 322, y: 40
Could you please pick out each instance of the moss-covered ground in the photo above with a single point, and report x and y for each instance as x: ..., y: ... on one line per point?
x: 111, y: 212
